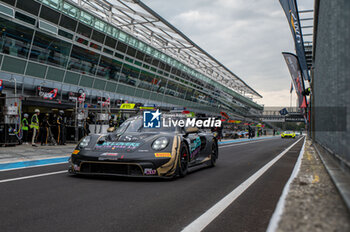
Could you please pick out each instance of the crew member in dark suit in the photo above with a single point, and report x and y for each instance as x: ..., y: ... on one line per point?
x: 44, y: 130
x: 61, y: 136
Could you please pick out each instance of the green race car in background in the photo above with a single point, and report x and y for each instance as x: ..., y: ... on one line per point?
x: 288, y: 134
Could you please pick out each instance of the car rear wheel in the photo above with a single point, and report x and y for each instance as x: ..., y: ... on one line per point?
x: 213, y: 155
x: 182, y: 166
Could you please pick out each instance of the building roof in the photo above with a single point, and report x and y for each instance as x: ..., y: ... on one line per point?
x: 140, y: 21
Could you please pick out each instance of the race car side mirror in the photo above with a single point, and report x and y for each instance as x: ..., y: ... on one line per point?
x: 191, y: 130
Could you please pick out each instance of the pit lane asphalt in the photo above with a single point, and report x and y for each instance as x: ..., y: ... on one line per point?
x: 64, y: 203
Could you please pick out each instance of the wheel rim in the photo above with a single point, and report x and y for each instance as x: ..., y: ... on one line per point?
x: 184, y: 158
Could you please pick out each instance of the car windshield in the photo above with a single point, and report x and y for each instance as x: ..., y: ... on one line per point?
x: 288, y: 132
x: 136, y: 125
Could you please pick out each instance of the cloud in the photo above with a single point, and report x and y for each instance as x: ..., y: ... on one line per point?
x: 247, y: 36
x: 280, y: 98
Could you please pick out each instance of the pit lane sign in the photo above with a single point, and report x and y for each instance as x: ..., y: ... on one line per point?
x: 127, y: 106
x: 47, y: 93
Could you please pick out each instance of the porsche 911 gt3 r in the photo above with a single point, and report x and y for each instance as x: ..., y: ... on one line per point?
x: 133, y: 150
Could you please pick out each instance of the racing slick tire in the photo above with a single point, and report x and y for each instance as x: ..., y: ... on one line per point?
x: 213, y: 155
x: 182, y: 165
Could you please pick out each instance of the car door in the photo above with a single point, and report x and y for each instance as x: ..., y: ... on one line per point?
x: 195, y: 145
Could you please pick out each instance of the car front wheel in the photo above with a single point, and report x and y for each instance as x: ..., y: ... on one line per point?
x: 182, y: 166
x: 213, y: 155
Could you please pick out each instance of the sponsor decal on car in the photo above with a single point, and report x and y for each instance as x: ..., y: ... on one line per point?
x: 75, y: 152
x: 196, y: 143
x: 109, y: 156
x: 164, y: 154
x: 126, y: 145
x: 195, y: 152
x: 149, y: 171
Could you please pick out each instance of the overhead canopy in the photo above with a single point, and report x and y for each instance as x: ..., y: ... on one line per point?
x: 138, y: 20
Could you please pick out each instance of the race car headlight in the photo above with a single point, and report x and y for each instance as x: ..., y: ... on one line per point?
x: 160, y: 143
x: 85, y: 142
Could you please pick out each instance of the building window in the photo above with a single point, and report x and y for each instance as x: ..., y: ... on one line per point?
x: 129, y: 75
x: 167, y: 67
x: 100, y: 25
x: 30, y: 6
x: 108, y: 68
x: 162, y: 65
x: 95, y: 46
x: 112, y: 31
x: 155, y: 62
x: 11, y: 2
x: 65, y: 34
x: 140, y: 55
x: 120, y: 56
x: 121, y: 47
x: 84, y: 30
x: 171, y: 89
x: 50, y: 50
x: 53, y: 3
x: 128, y: 59
x: 49, y: 14
x: 82, y: 41
x: 86, y: 17
x: 25, y: 18
x: 110, y: 52
x: 68, y: 23
x: 131, y: 51
x: 48, y: 27
x: 83, y: 60
x: 70, y: 10
x: 110, y: 42
x: 145, y: 80
x: 15, y: 39
x: 148, y: 59
x: 8, y: 11
x: 98, y: 36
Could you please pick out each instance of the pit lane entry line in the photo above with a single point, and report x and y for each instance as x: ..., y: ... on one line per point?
x: 205, y: 219
x: 33, y: 176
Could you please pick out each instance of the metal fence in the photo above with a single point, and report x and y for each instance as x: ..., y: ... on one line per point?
x: 331, y: 75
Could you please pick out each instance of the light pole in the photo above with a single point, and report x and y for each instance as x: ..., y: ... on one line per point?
x: 14, y: 80
x: 101, y: 97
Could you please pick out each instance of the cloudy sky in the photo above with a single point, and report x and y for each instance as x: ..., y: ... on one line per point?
x: 247, y: 36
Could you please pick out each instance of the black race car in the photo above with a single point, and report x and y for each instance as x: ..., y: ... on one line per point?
x: 133, y: 150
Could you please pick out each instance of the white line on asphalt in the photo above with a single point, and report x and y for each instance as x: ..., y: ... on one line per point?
x: 36, y: 166
x: 201, y: 222
x: 33, y: 176
x: 237, y: 144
